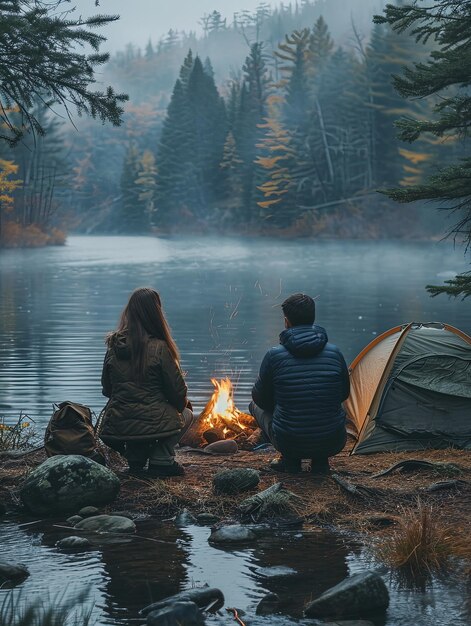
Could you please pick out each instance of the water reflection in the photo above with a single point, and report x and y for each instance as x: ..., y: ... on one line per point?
x: 221, y: 296
x: 123, y: 577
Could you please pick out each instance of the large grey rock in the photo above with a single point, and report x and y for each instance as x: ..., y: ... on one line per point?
x: 107, y: 524
x: 359, y: 595
x: 63, y: 484
x: 178, y: 614
x: 73, y: 543
x: 236, y: 533
x: 232, y: 481
x: 12, y: 572
x: 74, y: 519
x: 201, y: 596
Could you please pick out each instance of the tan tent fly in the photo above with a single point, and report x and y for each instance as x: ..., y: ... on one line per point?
x: 411, y: 390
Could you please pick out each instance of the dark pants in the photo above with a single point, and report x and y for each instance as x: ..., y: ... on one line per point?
x: 294, y: 447
x: 157, y: 452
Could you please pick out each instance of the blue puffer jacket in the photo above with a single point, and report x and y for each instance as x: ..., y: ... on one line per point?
x: 303, y: 382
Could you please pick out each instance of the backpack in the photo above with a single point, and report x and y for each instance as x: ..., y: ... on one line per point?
x: 70, y: 431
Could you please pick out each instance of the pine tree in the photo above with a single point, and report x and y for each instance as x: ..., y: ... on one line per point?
x: 231, y: 175
x: 41, y: 58
x: 247, y: 132
x: 146, y: 184
x: 191, y: 147
x: 277, y: 157
x: 210, y: 127
x: 320, y: 48
x: 149, y: 50
x: 186, y: 68
x: 176, y: 180
x: 447, y: 73
x: 387, y: 53
x: 130, y: 220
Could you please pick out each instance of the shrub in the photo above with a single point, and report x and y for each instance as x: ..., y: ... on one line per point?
x: 15, y: 235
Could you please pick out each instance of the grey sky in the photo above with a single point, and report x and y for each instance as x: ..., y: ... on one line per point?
x: 141, y: 19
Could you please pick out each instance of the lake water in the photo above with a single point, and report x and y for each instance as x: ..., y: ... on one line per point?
x: 122, y: 578
x: 221, y: 297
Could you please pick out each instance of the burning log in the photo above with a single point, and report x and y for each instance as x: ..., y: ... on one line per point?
x: 213, y: 434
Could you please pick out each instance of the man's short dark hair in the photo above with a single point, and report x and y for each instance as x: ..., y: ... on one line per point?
x: 299, y: 309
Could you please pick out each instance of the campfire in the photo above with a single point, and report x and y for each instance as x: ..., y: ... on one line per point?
x: 221, y: 419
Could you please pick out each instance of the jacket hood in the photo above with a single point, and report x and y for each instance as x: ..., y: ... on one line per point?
x: 304, y: 341
x: 119, y: 343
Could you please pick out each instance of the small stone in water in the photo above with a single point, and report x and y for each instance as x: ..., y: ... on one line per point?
x: 89, y: 511
x: 205, y: 519
x: 235, y: 533
x: 268, y: 605
x: 107, y: 524
x: 184, y: 518
x: 73, y: 543
x: 276, y: 570
x: 12, y: 572
x: 178, y: 614
x: 356, y: 596
x: 74, y: 519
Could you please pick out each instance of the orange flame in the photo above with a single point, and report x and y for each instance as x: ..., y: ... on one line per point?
x: 221, y: 412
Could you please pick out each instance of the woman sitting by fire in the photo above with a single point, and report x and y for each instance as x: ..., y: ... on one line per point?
x: 148, y: 411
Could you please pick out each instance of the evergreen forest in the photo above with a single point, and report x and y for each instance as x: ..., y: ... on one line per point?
x: 272, y: 124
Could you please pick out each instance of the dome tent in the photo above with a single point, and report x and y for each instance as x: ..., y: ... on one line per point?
x: 411, y: 390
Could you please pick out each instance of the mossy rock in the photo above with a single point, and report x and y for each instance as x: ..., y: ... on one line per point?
x: 232, y: 481
x: 66, y: 483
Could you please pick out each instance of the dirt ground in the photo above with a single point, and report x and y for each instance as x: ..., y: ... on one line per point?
x: 322, y: 501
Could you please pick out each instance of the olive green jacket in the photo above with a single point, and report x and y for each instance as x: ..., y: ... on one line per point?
x: 147, y: 410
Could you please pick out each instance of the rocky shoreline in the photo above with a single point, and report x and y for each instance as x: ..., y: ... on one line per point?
x: 242, y: 501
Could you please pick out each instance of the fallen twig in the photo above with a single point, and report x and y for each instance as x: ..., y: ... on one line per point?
x: 365, y: 493
x: 235, y: 613
x: 411, y: 464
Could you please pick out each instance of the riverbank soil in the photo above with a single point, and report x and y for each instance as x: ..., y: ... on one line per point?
x: 372, y: 507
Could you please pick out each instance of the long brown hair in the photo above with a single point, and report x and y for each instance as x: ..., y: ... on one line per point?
x: 141, y: 319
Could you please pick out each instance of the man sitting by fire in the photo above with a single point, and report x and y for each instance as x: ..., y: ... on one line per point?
x: 297, y: 398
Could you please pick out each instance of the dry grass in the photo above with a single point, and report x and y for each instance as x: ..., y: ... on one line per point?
x: 19, y: 435
x: 421, y: 543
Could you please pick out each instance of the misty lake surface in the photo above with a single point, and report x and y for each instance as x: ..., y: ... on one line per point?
x: 222, y: 297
